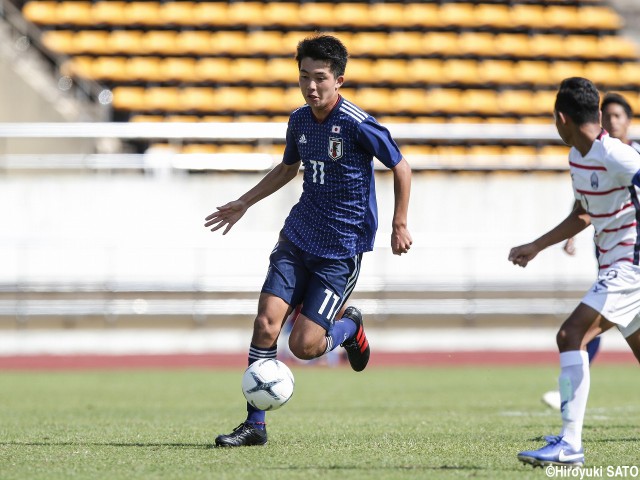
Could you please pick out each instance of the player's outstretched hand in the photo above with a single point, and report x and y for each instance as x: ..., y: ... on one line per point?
x: 400, y: 240
x: 569, y: 246
x: 523, y: 254
x: 226, y: 216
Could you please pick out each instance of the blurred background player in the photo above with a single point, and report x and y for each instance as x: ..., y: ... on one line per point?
x: 316, y: 261
x: 616, y: 119
x: 605, y: 176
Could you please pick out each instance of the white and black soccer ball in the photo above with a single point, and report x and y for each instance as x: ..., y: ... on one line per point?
x: 267, y: 384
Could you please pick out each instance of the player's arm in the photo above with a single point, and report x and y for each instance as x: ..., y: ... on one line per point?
x: 577, y: 221
x: 227, y: 215
x: 400, y: 237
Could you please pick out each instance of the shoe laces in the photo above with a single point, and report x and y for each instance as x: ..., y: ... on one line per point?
x: 553, y: 439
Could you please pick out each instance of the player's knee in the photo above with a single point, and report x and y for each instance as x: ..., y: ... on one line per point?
x: 265, y: 329
x: 302, y: 350
x: 564, y: 340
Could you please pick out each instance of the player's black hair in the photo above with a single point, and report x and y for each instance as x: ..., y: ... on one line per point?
x: 617, y: 99
x: 326, y: 48
x: 579, y: 99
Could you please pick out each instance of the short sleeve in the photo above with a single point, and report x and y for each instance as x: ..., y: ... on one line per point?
x: 377, y: 141
x: 291, y: 154
x: 624, y: 163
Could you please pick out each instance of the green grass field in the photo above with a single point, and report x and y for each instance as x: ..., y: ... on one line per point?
x: 420, y: 423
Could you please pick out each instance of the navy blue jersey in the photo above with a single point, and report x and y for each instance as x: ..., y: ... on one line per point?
x: 336, y: 216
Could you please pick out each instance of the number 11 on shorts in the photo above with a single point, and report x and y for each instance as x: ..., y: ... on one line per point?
x: 329, y: 295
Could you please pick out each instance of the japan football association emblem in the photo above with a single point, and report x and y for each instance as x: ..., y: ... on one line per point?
x: 335, y: 148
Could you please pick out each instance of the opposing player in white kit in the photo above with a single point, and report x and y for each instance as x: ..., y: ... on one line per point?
x: 605, y: 174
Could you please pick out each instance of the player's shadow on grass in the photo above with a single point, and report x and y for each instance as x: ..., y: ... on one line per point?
x: 113, y: 444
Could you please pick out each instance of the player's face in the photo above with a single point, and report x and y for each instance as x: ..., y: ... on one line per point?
x: 318, y: 85
x: 615, y: 120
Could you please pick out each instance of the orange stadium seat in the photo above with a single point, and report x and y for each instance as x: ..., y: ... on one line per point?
x: 146, y: 14
x: 460, y: 15
x: 529, y: 16
x: 161, y: 42
x: 178, y: 13
x: 228, y: 43
x: 265, y: 42
x: 368, y: 43
x: 409, y: 100
x: 440, y: 43
x: 373, y: 100
x: 560, y: 70
x: 249, y: 70
x: 480, y: 102
x: 543, y: 45
x: 405, y: 43
x: 515, y: 102
x: 286, y: 70
x: 179, y: 69
x: 543, y: 102
x: 109, y: 12
x: 146, y: 69
x: 214, y: 70
x: 359, y: 70
x: 59, y: 41
x: 561, y: 16
x: 165, y: 99
x: 531, y: 72
x: 78, y: 66
x: 245, y: 13
x: 293, y: 98
x: 512, y: 45
x: 495, y: 71
x: 129, y: 98
x: 74, y: 12
x: 389, y: 70
x: 629, y: 73
x: 582, y: 46
x: 444, y: 100
x: 113, y: 69
x: 476, y: 44
x: 91, y: 41
x: 354, y: 15
x: 291, y: 39
x: 602, y: 73
x: 199, y: 99
x: 493, y: 15
x: 388, y: 14
x: 614, y: 46
x: 282, y: 14
x: 267, y: 99
x: 598, y: 17
x: 460, y: 71
x: 321, y: 14
x: 231, y: 99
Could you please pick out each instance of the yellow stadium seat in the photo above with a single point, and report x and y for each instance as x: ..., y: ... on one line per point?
x: 460, y: 15
x: 112, y: 69
x: 146, y: 118
x: 41, y: 12
x: 528, y: 16
x: 424, y: 70
x: 581, y: 46
x: 290, y: 40
x: 249, y: 70
x: 162, y: 42
x: 145, y: 14
x: 493, y: 15
x: 480, y: 102
x: 59, y: 41
x: 146, y: 69
x: 476, y: 43
x: 615, y: 46
x: 109, y: 12
x: 512, y: 45
x: 229, y: 43
x: 232, y: 99
x: 532, y: 72
x: 127, y: 42
x: 320, y: 14
x: 543, y: 102
x: 359, y: 70
x: 245, y: 13
x: 460, y: 71
x: 409, y: 100
x: 560, y: 70
x: 373, y: 100
x: 629, y: 73
x: 199, y: 99
x: 179, y: 69
x: 543, y: 45
x: 285, y: 70
x: 368, y: 43
x: 495, y: 71
x: 165, y: 99
x: 515, y: 102
x: 440, y: 43
x: 388, y: 14
x: 602, y: 73
x: 405, y: 43
x: 91, y: 41
x: 354, y: 15
x: 561, y: 16
x: 282, y: 14
x: 266, y: 99
x: 178, y: 13
x: 598, y: 17
x: 213, y: 70
x: 211, y: 13
x: 444, y: 101
x: 425, y: 15
x: 78, y: 66
x: 74, y: 12
x: 392, y: 70
x: 293, y: 98
x: 129, y: 98
x: 193, y: 42
x: 265, y: 42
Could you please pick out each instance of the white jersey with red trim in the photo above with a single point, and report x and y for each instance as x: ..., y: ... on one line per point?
x: 602, y: 182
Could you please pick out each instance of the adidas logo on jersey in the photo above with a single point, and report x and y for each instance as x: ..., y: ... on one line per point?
x: 302, y: 139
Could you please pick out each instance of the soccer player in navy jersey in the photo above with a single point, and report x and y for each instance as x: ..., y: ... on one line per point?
x: 605, y: 175
x: 316, y: 260
x: 616, y: 119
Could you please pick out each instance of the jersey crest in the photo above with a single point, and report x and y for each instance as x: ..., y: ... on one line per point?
x: 335, y: 148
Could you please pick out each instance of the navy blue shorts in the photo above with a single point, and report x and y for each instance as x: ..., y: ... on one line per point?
x: 321, y: 285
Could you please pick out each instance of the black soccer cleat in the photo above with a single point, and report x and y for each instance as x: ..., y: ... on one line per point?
x: 357, y: 347
x: 244, y: 435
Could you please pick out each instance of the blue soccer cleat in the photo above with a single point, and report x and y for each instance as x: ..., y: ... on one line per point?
x: 556, y: 452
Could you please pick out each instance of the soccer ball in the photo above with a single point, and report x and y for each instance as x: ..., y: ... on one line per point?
x: 267, y: 384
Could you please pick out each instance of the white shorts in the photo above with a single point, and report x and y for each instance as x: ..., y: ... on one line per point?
x: 616, y: 295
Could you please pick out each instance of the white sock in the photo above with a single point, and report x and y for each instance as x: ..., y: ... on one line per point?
x: 574, y: 382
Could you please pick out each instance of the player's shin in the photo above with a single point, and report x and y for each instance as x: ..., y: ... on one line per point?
x: 574, y: 382
x: 254, y: 416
